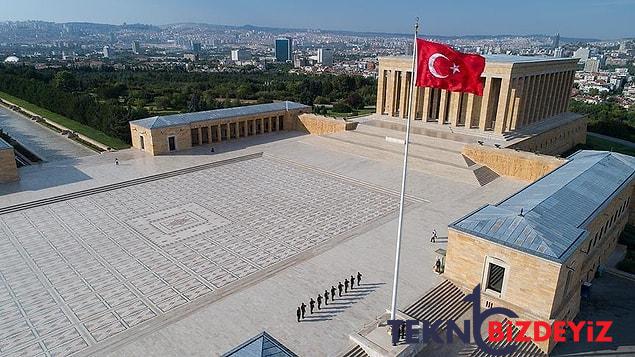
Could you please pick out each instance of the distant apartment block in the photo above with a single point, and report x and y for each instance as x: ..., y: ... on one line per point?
x: 284, y: 49
x: 325, y: 56
x: 241, y: 54
x: 592, y: 65
x: 136, y: 47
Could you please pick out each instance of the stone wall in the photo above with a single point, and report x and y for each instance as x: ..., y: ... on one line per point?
x: 537, y: 288
x: 8, y: 168
x: 512, y: 163
x: 556, y: 140
x: 321, y: 125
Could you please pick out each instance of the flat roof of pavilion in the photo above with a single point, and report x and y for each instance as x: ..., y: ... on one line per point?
x: 555, y: 208
x: 216, y: 114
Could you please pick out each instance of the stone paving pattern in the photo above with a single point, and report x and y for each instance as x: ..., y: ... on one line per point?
x: 77, y: 272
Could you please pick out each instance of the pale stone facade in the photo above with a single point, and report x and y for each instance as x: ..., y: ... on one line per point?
x: 507, y: 162
x: 518, y: 92
x: 321, y: 125
x: 8, y: 167
x: 160, y: 135
x: 537, y: 287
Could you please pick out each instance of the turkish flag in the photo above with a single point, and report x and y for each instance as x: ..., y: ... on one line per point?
x: 440, y: 66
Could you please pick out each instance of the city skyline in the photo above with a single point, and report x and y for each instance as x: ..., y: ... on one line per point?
x: 463, y: 17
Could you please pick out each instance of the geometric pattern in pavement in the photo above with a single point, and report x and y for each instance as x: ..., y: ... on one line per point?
x: 77, y: 272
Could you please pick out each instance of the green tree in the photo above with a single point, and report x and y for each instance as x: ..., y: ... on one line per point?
x: 66, y: 81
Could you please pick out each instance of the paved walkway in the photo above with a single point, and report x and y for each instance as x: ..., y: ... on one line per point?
x: 42, y: 141
x: 199, y: 263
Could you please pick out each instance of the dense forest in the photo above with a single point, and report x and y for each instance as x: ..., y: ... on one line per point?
x: 608, y: 118
x: 106, y: 99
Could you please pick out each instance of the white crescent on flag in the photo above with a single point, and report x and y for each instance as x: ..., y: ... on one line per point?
x: 431, y: 65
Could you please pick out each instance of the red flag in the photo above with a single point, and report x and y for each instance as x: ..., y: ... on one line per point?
x: 440, y: 66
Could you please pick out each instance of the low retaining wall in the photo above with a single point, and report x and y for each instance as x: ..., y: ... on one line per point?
x: 508, y: 162
x: 321, y: 125
x: 8, y: 168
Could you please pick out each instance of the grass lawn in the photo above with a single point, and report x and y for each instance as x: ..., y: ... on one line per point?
x: 594, y: 143
x: 69, y: 123
x: 360, y: 112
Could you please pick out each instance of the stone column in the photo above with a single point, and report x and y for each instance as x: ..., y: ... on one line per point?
x: 560, y: 94
x: 528, y: 100
x: 390, y: 93
x: 534, y: 99
x: 200, y: 135
x: 469, y: 111
x: 554, y: 94
x: 426, y: 99
x: 443, y: 105
x: 517, y: 96
x: 550, y: 93
x: 417, y: 103
x: 485, y: 104
x: 218, y: 134
x: 568, y: 87
x: 381, y: 91
x: 434, y: 96
x: 403, y: 97
x: 544, y: 89
x: 455, y: 108
x: 501, y: 110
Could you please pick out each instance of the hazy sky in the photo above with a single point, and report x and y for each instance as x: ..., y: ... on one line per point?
x: 572, y: 18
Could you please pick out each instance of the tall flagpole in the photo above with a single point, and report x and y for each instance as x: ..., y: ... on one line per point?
x: 393, y: 309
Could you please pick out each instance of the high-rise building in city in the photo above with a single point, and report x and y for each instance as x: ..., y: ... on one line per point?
x: 195, y: 47
x: 325, y: 56
x: 136, y: 47
x: 555, y: 41
x: 240, y: 54
x: 592, y: 65
x: 284, y: 49
x: 106, y: 52
x: 582, y: 53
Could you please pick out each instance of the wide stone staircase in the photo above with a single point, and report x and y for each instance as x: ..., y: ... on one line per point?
x: 443, y: 302
x: 526, y: 349
x: 430, y: 155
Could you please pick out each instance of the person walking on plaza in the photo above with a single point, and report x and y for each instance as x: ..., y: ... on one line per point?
x: 339, y: 289
x: 312, y: 305
x: 433, y: 239
x: 359, y: 278
x: 326, y: 297
x: 299, y: 313
x: 116, y: 162
x: 352, y: 281
x: 319, y: 301
x: 333, y: 292
x: 303, y: 309
x: 345, y: 285
x: 437, y: 265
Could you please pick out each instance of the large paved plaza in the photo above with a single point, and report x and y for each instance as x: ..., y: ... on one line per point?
x: 140, y: 260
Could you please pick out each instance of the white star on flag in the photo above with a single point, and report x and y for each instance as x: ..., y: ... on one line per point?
x: 455, y: 68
